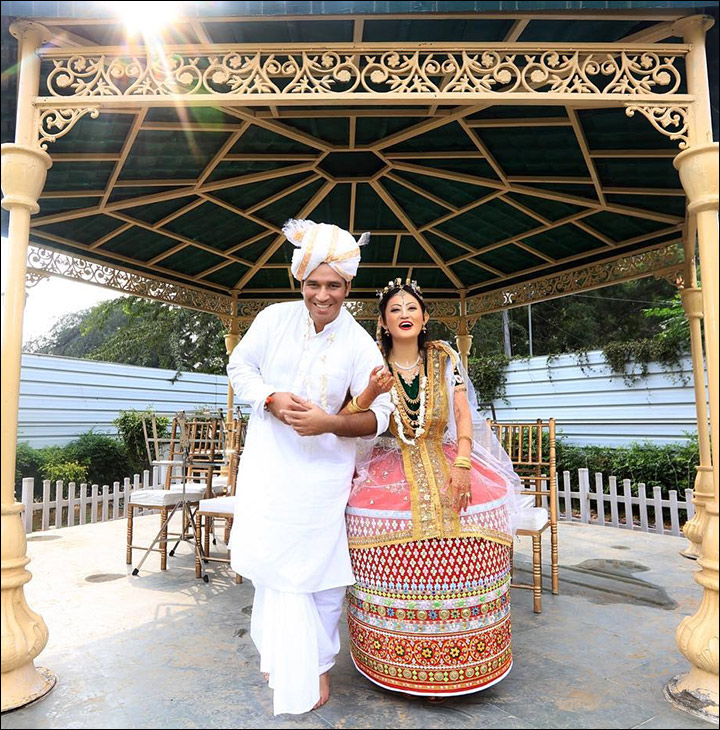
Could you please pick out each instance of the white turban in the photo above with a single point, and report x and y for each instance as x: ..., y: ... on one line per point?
x: 322, y: 243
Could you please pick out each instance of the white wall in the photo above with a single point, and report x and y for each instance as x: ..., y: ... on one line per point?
x: 60, y: 398
x: 594, y: 406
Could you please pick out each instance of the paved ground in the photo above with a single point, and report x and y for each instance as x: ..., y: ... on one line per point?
x: 164, y: 650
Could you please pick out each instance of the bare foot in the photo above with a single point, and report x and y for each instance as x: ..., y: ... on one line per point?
x: 324, y: 690
x: 266, y: 676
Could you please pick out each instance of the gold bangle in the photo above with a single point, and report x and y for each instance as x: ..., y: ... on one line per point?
x: 360, y: 409
x: 462, y: 462
x: 467, y: 438
x: 462, y: 465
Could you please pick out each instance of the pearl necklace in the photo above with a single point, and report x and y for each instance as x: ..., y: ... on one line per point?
x: 408, y: 367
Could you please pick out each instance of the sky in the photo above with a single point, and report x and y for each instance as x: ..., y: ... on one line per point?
x: 52, y: 298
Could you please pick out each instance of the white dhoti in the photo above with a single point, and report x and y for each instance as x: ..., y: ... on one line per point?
x: 298, y: 639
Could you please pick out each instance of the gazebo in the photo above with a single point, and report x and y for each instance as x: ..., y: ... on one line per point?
x: 498, y: 156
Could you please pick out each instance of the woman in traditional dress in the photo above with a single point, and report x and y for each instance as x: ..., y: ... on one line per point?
x: 429, y: 522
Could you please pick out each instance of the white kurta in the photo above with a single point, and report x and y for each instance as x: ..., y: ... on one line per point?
x: 289, y: 528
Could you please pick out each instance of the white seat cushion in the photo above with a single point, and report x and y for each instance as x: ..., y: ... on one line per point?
x: 220, y: 481
x: 218, y: 506
x: 526, y: 501
x: 164, y: 497
x: 531, y: 518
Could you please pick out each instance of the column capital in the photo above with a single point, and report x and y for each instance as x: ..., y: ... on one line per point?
x: 698, y: 168
x: 691, y: 298
x: 689, y: 26
x: 24, y: 170
x: 22, y: 29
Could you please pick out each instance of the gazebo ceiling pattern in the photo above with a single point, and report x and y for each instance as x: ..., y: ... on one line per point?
x: 458, y: 197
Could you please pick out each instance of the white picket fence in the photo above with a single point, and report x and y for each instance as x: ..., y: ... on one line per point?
x: 92, y: 502
x: 581, y: 505
x: 577, y: 506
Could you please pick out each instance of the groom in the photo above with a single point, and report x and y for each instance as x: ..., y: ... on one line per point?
x: 295, y: 366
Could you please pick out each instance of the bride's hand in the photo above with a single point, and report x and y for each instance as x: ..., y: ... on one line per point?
x: 380, y: 382
x: 458, y: 485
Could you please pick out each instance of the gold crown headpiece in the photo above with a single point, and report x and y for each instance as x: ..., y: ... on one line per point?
x: 399, y: 283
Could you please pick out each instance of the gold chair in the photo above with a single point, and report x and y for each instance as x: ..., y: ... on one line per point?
x: 531, y: 448
x: 223, y: 507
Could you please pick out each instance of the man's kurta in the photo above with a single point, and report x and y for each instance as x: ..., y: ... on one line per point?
x: 289, y: 528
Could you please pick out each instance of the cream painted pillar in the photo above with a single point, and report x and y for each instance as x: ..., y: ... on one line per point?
x: 24, y: 168
x: 697, y: 636
x: 703, y: 492
x: 231, y: 340
x: 463, y: 339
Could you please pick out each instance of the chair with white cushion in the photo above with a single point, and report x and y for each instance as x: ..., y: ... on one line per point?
x: 531, y: 447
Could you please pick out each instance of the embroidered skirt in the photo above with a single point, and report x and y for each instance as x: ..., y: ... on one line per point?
x: 431, y: 617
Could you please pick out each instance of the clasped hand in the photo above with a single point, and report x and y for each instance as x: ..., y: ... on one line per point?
x: 303, y: 416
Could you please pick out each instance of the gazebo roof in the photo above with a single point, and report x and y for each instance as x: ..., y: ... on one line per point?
x: 462, y: 197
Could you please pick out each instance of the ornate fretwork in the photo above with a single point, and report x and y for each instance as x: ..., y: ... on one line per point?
x: 33, y: 278
x: 397, y: 71
x: 445, y: 311
x: 61, y: 119
x: 43, y: 261
x: 588, y: 277
x: 250, y: 309
x: 669, y: 119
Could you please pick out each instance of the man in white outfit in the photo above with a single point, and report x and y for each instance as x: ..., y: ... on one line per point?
x: 295, y: 367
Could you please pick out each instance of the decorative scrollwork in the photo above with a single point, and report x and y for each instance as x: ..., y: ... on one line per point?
x: 669, y: 119
x: 44, y: 261
x: 33, y: 278
x: 399, y: 72
x: 581, y: 279
x: 443, y: 310
x: 62, y: 119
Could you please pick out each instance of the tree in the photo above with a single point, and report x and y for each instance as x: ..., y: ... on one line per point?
x: 136, y: 331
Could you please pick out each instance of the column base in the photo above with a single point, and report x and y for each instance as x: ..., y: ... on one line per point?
x: 690, y: 552
x: 25, y: 685
x: 687, y: 696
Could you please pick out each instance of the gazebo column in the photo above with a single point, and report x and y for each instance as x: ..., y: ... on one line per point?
x: 463, y: 339
x: 703, y: 492
x: 24, y: 168
x: 697, y: 636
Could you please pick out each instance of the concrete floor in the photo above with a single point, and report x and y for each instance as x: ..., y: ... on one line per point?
x: 164, y: 650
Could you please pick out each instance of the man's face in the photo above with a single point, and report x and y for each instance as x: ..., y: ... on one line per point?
x: 324, y: 292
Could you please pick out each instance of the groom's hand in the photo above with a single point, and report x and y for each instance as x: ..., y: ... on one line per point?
x: 285, y: 402
x: 308, y: 419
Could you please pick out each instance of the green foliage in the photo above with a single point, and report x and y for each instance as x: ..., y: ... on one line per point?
x: 68, y: 471
x: 668, y: 466
x: 130, y: 427
x: 489, y: 375
x: 28, y: 462
x: 139, y: 332
x: 106, y: 457
x: 622, y: 356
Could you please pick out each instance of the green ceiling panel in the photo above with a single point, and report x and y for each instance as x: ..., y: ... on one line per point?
x: 578, y: 31
x: 412, y: 252
x: 470, y: 274
x: 445, y: 249
x: 509, y: 259
x: 335, y: 207
x: 214, y: 226
x: 518, y: 112
x: 372, y: 214
x: 51, y: 206
x: 228, y: 276
x: 258, y: 139
x: 488, y: 223
x: 454, y: 192
x: 622, y: 227
x: 567, y: 240
x: 289, y: 206
x: 269, y: 279
x: 248, y: 195
x: 105, y: 135
x: 437, y: 29
x: 380, y: 250
x: 78, y: 176
x: 374, y: 277
x: 155, y: 212
x: 195, y: 114
x: 165, y: 155
x: 255, y: 250
x: 450, y: 137
x: 191, y: 261
x: 613, y: 129
x: 582, y: 191
x: 140, y: 191
x: 83, y: 230
x: 371, y: 129
x: 552, y: 210
x: 546, y: 151
x: 335, y: 130
x: 653, y: 172
x: 281, y: 31
x: 471, y: 166
x: 432, y: 279
x: 674, y: 205
x: 232, y: 169
x: 139, y: 244
x: 418, y: 208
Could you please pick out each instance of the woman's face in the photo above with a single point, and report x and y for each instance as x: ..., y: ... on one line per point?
x: 404, y: 317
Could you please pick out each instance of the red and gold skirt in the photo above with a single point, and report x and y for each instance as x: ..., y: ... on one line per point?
x: 431, y: 617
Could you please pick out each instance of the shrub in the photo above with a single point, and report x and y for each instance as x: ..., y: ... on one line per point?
x: 130, y: 426
x: 68, y: 471
x: 488, y: 374
x: 106, y: 458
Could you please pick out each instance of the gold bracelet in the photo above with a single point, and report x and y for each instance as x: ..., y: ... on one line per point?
x: 462, y: 463
x: 467, y: 438
x: 352, y: 408
x: 360, y: 409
